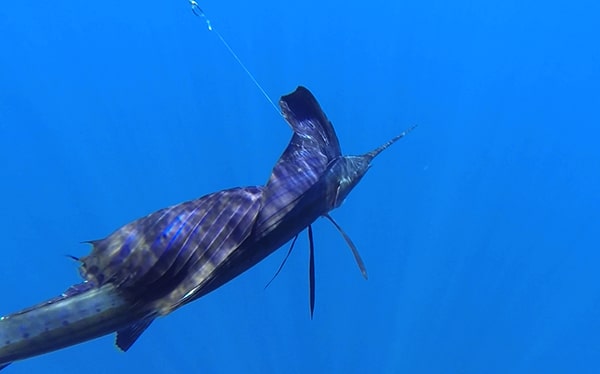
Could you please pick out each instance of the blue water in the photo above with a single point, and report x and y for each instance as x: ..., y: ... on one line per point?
x: 479, y: 229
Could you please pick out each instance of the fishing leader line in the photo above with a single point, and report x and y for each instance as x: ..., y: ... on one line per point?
x: 200, y: 13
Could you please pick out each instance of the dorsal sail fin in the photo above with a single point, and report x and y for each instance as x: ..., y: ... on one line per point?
x: 153, y: 252
x: 313, y: 145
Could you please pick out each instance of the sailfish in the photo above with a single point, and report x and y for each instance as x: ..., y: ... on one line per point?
x: 154, y: 265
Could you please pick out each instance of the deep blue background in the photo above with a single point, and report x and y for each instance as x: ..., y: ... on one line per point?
x: 479, y: 230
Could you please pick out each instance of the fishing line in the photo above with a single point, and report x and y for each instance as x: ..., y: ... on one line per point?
x: 200, y: 13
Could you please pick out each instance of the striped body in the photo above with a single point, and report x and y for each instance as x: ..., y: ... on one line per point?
x: 64, y: 321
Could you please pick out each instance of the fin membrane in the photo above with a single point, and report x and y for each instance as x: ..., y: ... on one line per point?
x: 311, y: 271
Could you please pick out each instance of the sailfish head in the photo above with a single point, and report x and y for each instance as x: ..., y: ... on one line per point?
x: 312, y: 166
x: 345, y: 172
x: 310, y: 179
x: 312, y: 176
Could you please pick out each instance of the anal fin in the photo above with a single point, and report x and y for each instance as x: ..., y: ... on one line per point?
x: 127, y: 336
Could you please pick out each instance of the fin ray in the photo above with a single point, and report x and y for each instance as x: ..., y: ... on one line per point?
x: 284, y: 261
x: 311, y: 271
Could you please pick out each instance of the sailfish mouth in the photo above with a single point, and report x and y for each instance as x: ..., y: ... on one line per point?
x: 374, y: 153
